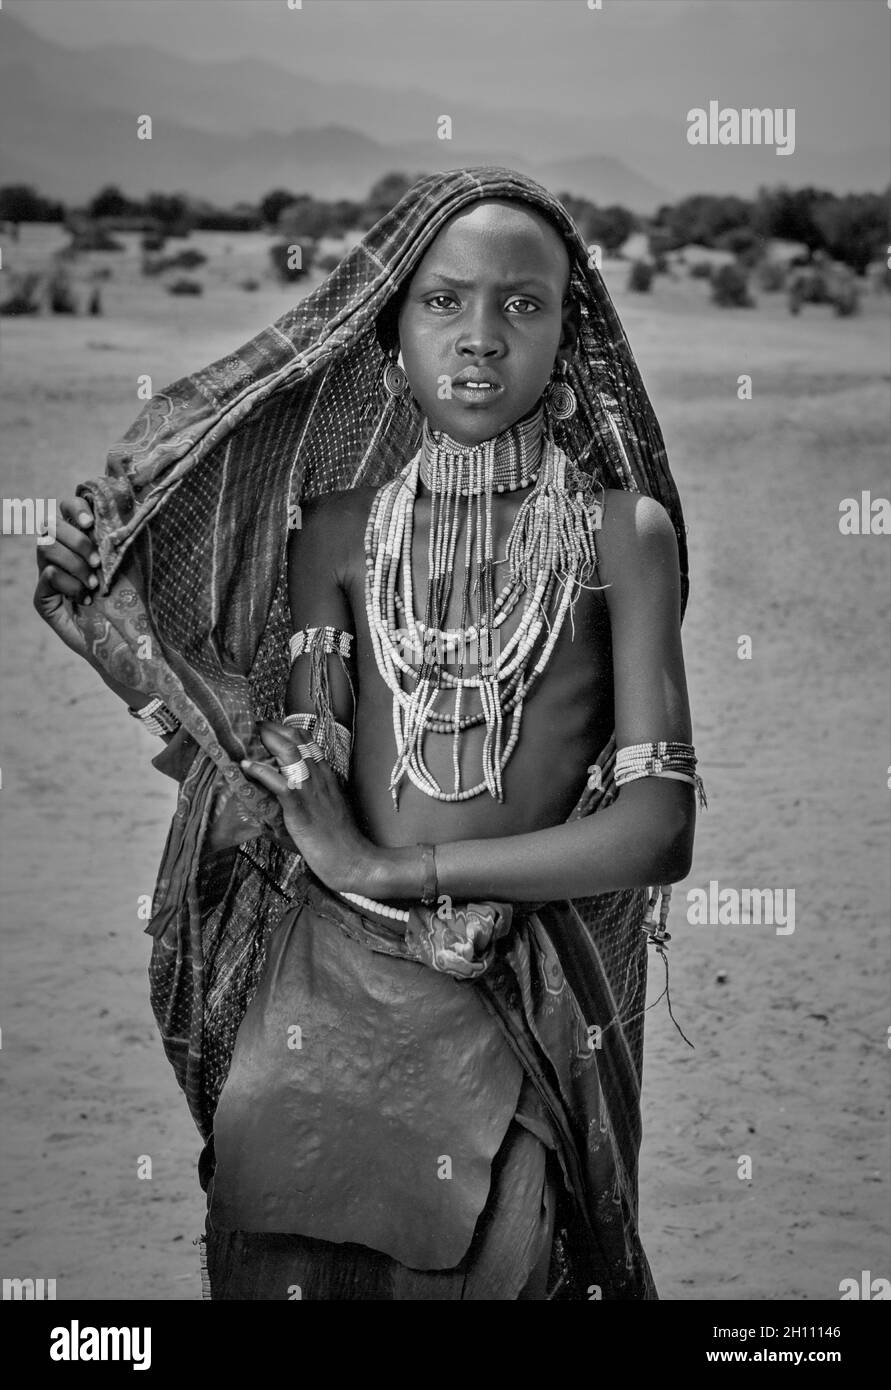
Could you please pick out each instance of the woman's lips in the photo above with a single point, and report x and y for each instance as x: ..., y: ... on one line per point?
x: 477, y: 394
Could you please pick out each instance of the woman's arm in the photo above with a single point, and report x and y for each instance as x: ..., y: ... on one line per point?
x: 317, y: 598
x: 646, y: 835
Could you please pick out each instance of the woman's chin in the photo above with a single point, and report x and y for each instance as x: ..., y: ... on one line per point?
x: 470, y: 421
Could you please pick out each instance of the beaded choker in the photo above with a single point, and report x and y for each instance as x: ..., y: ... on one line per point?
x: 550, y: 554
x: 516, y: 457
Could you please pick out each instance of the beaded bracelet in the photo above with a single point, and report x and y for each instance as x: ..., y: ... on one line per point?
x: 666, y: 758
x: 430, y: 890
x: 156, y: 717
x: 331, y: 639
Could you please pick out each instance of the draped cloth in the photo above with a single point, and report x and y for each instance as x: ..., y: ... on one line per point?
x: 192, y: 518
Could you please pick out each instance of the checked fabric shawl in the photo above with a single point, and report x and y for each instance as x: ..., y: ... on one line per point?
x: 192, y: 520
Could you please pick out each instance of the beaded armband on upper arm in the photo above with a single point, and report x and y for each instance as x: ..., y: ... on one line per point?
x: 333, y: 738
x: 324, y: 640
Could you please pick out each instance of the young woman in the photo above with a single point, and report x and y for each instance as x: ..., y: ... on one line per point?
x: 405, y: 578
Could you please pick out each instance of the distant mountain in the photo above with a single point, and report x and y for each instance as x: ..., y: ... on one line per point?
x: 253, y: 94
x: 230, y: 131
x: 589, y: 175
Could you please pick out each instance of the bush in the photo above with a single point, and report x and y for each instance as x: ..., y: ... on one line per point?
x: 60, y: 294
x: 701, y: 271
x: 189, y: 259
x: 745, y: 244
x: 824, y: 283
x: 771, y: 277
x: 640, y: 276
x: 185, y: 286
x: 846, y: 299
x: 91, y: 237
x: 25, y: 297
x: 730, y: 288
x: 94, y: 308
x: 249, y: 284
x: 153, y: 241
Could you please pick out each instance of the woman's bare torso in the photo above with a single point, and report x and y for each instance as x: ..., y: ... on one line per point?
x: 566, y: 721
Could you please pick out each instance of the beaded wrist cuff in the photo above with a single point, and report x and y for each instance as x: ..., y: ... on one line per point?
x: 156, y: 717
x: 339, y: 755
x: 331, y: 639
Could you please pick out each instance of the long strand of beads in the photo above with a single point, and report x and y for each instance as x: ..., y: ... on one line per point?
x: 545, y: 538
x: 459, y: 686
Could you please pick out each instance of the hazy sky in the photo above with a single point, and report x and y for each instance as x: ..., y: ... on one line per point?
x: 829, y: 58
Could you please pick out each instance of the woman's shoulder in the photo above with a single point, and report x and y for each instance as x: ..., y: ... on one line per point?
x: 633, y: 516
x: 635, y: 531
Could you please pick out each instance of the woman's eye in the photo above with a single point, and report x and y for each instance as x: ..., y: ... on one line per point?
x: 432, y: 301
x: 528, y: 303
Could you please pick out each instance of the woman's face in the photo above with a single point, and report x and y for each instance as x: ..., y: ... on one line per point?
x: 486, y: 305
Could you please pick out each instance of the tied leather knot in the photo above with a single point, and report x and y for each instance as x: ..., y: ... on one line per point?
x: 462, y: 943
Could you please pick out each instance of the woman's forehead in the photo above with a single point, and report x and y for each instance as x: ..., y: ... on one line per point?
x: 498, y: 234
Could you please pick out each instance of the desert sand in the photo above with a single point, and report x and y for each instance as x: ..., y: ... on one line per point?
x: 790, y: 1030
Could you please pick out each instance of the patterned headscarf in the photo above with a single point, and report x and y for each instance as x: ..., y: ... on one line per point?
x: 191, y: 526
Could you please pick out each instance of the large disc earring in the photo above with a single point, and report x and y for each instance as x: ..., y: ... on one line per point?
x: 560, y: 399
x: 395, y: 381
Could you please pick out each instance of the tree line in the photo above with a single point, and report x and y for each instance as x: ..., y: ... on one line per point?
x: 852, y: 228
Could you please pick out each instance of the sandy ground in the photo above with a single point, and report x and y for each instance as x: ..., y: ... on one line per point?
x: 790, y: 1031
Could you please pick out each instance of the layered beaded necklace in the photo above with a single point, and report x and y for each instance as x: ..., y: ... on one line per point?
x: 551, y: 546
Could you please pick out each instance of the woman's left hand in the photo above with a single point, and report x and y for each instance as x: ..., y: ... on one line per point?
x: 317, y: 815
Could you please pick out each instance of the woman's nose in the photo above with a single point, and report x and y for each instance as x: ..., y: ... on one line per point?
x: 480, y: 336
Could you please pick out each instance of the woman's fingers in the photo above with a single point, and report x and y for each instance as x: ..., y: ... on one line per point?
x: 294, y: 812
x: 267, y: 777
x: 50, y: 603
x: 77, y: 540
x: 62, y: 582
x: 67, y: 566
x: 77, y: 510
x: 46, y: 597
x: 69, y: 554
x: 285, y: 744
x: 281, y: 741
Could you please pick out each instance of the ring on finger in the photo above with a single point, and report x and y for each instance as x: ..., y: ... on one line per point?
x: 295, y: 774
x: 311, y: 750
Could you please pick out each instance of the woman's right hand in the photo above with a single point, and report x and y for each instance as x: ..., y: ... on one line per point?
x: 67, y: 569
